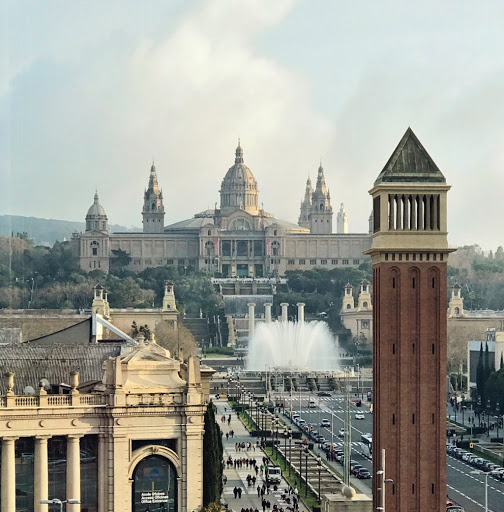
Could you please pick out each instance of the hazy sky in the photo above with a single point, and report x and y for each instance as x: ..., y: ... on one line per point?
x: 92, y: 91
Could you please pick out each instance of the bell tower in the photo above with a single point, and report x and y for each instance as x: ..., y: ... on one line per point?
x: 306, y: 203
x: 409, y: 255
x: 321, y: 210
x: 153, y: 208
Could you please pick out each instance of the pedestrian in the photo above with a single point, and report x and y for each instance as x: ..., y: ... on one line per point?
x: 227, y: 436
x: 258, y: 491
x: 263, y: 503
x: 232, y: 434
x: 235, y: 492
x: 239, y: 492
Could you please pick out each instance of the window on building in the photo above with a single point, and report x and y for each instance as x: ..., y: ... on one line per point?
x: 345, y: 262
x: 323, y: 262
x: 192, y: 263
x: 313, y: 262
x: 275, y: 248
x: 302, y: 262
x: 136, y: 262
x: 334, y: 262
x: 181, y: 263
x: 169, y: 262
x: 95, y: 251
x: 290, y: 262
x: 356, y: 262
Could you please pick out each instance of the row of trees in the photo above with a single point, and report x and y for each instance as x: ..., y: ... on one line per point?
x: 489, y: 382
x: 50, y: 278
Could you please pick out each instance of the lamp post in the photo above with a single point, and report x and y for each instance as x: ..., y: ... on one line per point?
x: 384, y: 480
x: 276, y: 421
x: 290, y: 449
x: 319, y: 466
x: 488, y: 417
x: 482, y: 473
x: 257, y: 414
x: 306, y: 472
x: 497, y: 411
x: 56, y: 501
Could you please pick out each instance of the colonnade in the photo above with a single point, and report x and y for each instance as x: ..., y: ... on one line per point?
x: 41, y: 473
x: 267, y: 314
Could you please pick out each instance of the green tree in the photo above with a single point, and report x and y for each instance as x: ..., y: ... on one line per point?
x: 480, y: 375
x: 121, y: 258
x: 212, y: 459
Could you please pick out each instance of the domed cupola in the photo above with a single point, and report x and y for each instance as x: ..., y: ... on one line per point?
x: 239, y: 188
x: 96, y: 218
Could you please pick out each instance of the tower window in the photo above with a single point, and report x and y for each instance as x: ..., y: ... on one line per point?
x: 432, y: 488
x: 413, y: 282
x: 393, y: 348
x: 433, y: 283
x: 433, y: 418
x: 433, y: 348
x: 413, y: 348
x: 393, y: 419
x: 413, y: 418
x: 153, y: 206
x: 393, y: 282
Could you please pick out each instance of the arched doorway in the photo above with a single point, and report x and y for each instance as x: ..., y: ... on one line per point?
x: 154, y: 485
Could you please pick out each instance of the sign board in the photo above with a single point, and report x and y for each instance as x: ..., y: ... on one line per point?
x: 153, y: 497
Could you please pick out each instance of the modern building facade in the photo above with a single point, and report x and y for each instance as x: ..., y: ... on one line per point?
x: 409, y: 255
x: 237, y: 239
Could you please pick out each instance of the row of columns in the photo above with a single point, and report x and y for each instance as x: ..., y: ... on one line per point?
x: 41, y: 473
x: 267, y: 314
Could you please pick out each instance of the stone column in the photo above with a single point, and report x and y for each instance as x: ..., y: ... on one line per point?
x: 300, y: 306
x: 103, y: 480
x: 73, y: 472
x: 285, y: 312
x: 8, y: 474
x: 41, y: 474
x: 267, y: 312
x: 251, y: 318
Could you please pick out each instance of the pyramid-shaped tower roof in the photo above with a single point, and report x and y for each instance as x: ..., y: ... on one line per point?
x: 410, y: 162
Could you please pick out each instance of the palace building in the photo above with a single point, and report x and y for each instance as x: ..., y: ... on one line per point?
x: 237, y: 239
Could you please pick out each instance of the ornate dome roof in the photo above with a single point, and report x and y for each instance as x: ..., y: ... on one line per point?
x: 96, y: 209
x: 239, y: 176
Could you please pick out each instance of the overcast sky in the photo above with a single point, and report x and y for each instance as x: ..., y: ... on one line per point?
x: 91, y: 92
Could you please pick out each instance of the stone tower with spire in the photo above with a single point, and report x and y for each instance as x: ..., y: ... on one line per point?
x: 409, y: 254
x: 342, y: 221
x: 321, y: 210
x: 153, y: 208
x: 306, y: 204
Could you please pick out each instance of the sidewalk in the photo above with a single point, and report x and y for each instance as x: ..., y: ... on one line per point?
x: 238, y: 477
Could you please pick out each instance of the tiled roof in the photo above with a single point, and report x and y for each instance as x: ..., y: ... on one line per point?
x: 53, y: 362
x: 410, y: 162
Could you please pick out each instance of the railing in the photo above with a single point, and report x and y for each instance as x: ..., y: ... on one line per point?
x: 150, y: 399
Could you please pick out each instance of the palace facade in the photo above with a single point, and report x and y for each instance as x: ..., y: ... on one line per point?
x: 237, y: 239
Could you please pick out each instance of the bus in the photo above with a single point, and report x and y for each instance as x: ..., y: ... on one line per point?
x: 273, y: 474
x: 367, y: 444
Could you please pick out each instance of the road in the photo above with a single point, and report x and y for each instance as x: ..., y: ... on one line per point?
x: 465, y: 488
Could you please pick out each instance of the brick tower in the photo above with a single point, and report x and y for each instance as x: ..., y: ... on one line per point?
x: 409, y: 255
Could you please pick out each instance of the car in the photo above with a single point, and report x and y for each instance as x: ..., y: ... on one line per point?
x: 325, y: 423
x: 321, y: 439
x: 363, y: 473
x: 220, y: 395
x: 301, y: 422
x: 323, y: 393
x: 341, y: 432
x: 359, y: 416
x: 355, y: 469
x: 312, y: 404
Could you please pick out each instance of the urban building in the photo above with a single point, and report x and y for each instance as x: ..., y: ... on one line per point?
x: 409, y: 256
x: 113, y: 426
x: 238, y: 238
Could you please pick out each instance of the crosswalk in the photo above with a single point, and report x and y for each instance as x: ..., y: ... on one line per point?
x: 314, y: 411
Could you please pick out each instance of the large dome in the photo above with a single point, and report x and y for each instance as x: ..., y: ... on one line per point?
x: 96, y: 209
x: 239, y: 187
x: 96, y: 218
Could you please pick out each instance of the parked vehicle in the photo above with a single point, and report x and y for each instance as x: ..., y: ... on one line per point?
x: 312, y: 404
x: 325, y: 423
x: 341, y: 432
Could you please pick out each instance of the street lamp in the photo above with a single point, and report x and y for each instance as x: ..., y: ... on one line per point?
x: 488, y: 417
x: 482, y: 473
x: 306, y: 471
x: 319, y: 465
x: 497, y: 411
x: 290, y: 449
x: 56, y: 501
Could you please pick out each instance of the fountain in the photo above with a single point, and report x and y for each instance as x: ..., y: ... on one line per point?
x: 292, y: 345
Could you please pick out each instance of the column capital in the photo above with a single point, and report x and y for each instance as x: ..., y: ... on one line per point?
x: 74, y: 436
x: 43, y: 437
x: 6, y: 439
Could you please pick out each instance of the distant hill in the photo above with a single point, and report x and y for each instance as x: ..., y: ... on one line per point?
x: 46, y: 231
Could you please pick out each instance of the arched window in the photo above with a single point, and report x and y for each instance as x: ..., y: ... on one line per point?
x: 209, y: 232
x: 240, y: 225
x: 457, y: 311
x: 365, y: 304
x: 348, y: 306
x: 155, y: 485
x: 275, y: 247
x: 153, y: 206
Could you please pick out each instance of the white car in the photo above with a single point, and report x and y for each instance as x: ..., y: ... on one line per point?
x: 341, y: 432
x: 359, y: 415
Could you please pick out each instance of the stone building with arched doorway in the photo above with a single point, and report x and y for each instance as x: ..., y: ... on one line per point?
x: 122, y: 433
